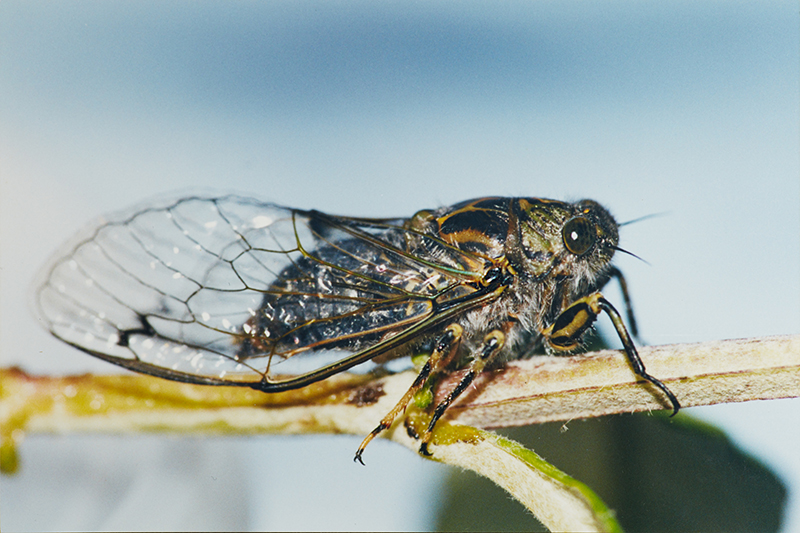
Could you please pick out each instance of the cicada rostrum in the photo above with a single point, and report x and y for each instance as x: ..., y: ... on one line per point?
x: 234, y: 291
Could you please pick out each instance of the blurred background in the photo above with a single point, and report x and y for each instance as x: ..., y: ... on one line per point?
x: 684, y: 108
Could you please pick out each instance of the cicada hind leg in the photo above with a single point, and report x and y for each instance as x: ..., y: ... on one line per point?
x: 565, y: 334
x: 491, y: 345
x: 444, y: 351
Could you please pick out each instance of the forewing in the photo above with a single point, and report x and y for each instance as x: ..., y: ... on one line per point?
x: 185, y: 289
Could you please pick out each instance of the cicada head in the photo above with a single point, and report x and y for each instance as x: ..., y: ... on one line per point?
x: 575, y: 241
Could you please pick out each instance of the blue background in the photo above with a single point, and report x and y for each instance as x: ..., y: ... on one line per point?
x: 380, y: 109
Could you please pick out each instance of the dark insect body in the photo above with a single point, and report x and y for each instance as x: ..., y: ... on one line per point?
x: 233, y: 291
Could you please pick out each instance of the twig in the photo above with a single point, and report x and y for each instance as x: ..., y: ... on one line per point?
x: 523, y: 392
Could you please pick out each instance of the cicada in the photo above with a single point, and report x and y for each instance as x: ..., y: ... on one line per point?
x: 234, y: 291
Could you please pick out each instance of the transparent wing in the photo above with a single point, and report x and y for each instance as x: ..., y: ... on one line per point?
x: 228, y: 290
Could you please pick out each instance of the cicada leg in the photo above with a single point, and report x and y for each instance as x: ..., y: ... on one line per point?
x: 614, y: 272
x: 443, y: 351
x: 565, y: 334
x: 492, y: 344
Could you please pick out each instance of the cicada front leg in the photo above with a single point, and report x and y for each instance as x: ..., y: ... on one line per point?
x: 565, y: 334
x: 443, y: 351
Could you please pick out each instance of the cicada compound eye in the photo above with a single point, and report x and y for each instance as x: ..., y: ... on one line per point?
x: 579, y: 235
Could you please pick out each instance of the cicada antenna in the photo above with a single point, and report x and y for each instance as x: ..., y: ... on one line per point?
x: 645, y: 217
x: 624, y: 251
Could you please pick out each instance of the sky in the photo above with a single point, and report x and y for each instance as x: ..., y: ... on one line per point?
x: 685, y: 109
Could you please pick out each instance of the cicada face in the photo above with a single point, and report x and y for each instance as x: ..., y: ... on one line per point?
x: 233, y: 291
x: 557, y: 239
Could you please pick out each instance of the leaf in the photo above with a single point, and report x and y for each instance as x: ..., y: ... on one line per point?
x: 656, y: 473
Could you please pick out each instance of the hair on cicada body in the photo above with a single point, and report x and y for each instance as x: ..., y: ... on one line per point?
x: 234, y: 291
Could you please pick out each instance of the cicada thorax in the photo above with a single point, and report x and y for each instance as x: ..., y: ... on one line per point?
x: 480, y: 226
x: 537, y: 243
